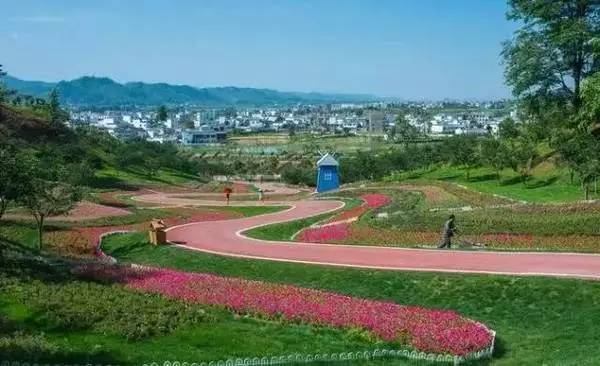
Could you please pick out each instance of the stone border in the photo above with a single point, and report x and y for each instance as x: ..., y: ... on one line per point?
x: 369, y: 355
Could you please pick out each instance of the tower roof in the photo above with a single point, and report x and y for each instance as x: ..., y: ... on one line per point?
x: 327, y: 160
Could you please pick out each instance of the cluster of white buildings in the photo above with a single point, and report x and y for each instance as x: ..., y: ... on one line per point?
x: 203, y: 125
x: 472, y: 123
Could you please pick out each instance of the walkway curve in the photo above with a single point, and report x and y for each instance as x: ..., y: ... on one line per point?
x: 226, y: 238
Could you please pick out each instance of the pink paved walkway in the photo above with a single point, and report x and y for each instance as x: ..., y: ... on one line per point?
x: 223, y: 237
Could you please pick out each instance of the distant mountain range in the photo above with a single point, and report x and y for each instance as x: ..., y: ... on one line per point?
x: 102, y: 92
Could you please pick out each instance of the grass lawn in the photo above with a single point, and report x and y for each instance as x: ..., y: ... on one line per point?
x: 111, y: 177
x: 538, y: 320
x: 548, y: 183
x: 285, y: 230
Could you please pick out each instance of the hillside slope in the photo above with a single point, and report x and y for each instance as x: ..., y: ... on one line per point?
x: 102, y: 91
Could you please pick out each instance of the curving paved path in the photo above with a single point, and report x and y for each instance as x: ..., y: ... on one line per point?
x: 225, y: 238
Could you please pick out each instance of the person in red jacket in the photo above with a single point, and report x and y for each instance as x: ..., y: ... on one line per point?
x: 227, y: 192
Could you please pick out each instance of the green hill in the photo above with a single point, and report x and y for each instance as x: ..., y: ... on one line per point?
x: 102, y: 91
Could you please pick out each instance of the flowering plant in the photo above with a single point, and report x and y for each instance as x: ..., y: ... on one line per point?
x: 432, y: 331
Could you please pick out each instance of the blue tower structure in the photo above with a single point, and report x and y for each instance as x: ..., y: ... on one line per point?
x: 328, y: 178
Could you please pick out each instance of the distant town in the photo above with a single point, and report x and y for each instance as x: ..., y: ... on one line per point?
x: 200, y: 125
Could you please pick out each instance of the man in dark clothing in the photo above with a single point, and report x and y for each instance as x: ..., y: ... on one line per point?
x: 449, y: 230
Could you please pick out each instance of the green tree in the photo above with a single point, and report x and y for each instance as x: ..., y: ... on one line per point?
x: 581, y: 151
x: 48, y: 194
x: 553, y: 50
x: 14, y: 173
x: 2, y: 87
x: 508, y: 129
x: 404, y: 130
x: 522, y: 152
x: 187, y: 121
x: 590, y: 111
x: 463, y: 151
x: 162, y: 114
x: 494, y: 154
x: 58, y: 116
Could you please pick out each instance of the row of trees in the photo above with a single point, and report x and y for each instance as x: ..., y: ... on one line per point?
x: 553, y: 66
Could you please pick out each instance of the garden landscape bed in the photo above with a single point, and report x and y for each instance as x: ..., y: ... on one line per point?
x: 438, y: 332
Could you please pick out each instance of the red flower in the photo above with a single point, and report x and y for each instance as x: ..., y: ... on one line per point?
x: 432, y: 331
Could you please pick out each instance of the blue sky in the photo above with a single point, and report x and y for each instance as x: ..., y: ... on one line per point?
x: 414, y: 49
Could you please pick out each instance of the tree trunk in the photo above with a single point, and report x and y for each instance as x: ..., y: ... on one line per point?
x: 3, y: 204
x: 40, y: 227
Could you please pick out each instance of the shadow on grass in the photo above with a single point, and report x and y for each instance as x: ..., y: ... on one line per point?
x: 451, y: 177
x: 125, y: 250
x: 512, y: 181
x: 541, y: 183
x: 111, y: 183
x: 483, y: 178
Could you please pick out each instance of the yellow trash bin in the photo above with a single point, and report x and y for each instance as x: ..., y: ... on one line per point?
x: 157, y: 232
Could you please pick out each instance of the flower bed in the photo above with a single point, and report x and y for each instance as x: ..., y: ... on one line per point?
x: 376, y: 200
x: 85, y: 241
x: 325, y: 234
x: 432, y: 331
x: 340, y: 229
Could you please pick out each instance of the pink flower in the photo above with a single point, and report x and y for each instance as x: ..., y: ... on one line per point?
x: 432, y: 331
x: 376, y: 200
x: 324, y: 234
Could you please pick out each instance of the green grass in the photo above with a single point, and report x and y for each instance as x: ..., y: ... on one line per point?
x: 142, y: 178
x: 48, y: 316
x: 248, y: 211
x: 285, y: 230
x: 538, y: 320
x: 548, y: 183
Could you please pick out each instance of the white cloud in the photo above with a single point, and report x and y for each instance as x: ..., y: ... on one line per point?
x: 39, y: 19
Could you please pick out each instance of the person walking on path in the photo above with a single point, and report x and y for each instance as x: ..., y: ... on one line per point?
x: 261, y: 194
x: 227, y: 192
x: 448, y: 233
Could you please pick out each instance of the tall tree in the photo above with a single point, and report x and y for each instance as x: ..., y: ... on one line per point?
x: 2, y: 88
x: 494, y: 154
x: 590, y: 111
x: 463, y: 151
x: 581, y: 152
x: 58, y: 116
x: 552, y: 52
x: 48, y: 194
x: 162, y: 114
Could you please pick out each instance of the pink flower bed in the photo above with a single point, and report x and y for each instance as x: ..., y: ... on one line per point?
x: 376, y: 200
x: 350, y: 214
x: 432, y: 331
x: 324, y: 234
x: 341, y: 230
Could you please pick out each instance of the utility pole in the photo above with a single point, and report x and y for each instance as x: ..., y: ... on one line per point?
x: 370, y: 130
